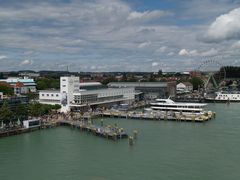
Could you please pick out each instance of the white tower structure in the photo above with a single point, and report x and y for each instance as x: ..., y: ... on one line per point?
x: 68, y: 86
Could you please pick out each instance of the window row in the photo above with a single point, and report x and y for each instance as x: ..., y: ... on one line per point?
x: 52, y: 95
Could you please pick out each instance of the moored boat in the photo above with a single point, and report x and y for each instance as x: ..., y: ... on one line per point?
x: 169, y: 106
x: 224, y: 96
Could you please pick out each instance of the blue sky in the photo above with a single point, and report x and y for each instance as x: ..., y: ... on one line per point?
x: 118, y: 35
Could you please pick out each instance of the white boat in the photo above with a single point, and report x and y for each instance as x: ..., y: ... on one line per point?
x: 225, y: 96
x: 169, y: 106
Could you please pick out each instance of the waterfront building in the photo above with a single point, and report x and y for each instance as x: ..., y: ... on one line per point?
x: 51, y: 97
x: 104, y: 97
x: 74, y: 95
x: 185, y: 87
x: 21, y: 85
x: 150, y: 90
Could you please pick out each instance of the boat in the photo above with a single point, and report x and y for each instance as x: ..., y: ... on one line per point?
x: 224, y: 96
x: 169, y: 106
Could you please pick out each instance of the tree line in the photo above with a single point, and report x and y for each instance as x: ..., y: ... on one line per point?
x: 231, y: 71
x: 22, y: 112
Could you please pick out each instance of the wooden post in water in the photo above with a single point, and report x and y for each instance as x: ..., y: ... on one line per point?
x: 214, y: 115
x: 114, y: 136
x: 135, y: 133
x: 130, y: 140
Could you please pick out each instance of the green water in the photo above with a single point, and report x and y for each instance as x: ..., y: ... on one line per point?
x: 163, y: 150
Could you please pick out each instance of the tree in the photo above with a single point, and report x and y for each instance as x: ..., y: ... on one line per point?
x: 34, y: 109
x: 124, y: 77
x: 6, y: 89
x: 132, y: 79
x: 47, y: 83
x: 196, y: 82
x: 32, y: 95
x: 6, y: 115
x: 160, y: 72
x: 37, y: 109
x: 1, y: 76
x: 41, y: 85
x: 108, y: 80
x: 21, y: 112
x: 57, y: 106
x: 152, y: 78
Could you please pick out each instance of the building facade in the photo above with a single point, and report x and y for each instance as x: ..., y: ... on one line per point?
x: 50, y: 97
x: 21, y: 85
x: 103, y: 96
x: 72, y: 95
x: 150, y: 90
x: 185, y: 87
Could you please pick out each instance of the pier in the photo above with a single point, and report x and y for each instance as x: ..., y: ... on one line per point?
x: 159, y: 116
x: 109, y: 132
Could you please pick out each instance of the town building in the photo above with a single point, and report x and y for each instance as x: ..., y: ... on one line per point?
x: 20, y: 85
x: 184, y: 87
x: 29, y: 74
x: 73, y: 95
x: 50, y: 97
x: 150, y: 90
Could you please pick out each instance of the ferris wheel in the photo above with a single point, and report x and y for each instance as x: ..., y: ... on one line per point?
x: 215, y: 73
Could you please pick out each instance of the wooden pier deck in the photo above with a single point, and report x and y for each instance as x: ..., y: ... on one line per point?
x: 157, y: 116
x: 109, y: 132
x: 17, y: 131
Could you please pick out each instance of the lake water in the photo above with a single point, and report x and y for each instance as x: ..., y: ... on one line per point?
x: 164, y: 150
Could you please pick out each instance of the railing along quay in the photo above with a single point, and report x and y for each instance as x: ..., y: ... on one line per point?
x: 109, y: 132
x: 149, y: 116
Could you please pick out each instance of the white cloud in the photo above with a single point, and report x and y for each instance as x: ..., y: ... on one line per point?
x: 100, y: 32
x: 170, y: 53
x: 147, y: 15
x: 185, y: 52
x: 161, y: 49
x: 236, y: 45
x: 144, y: 44
x: 211, y: 52
x: 225, y: 27
x: 154, y: 64
x: 93, y: 67
x: 26, y: 62
x: 2, y: 57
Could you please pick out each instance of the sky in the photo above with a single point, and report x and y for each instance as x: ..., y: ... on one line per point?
x: 119, y: 35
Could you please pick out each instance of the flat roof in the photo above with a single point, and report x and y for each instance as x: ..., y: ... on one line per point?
x: 101, y: 90
x: 90, y: 84
x: 138, y: 84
